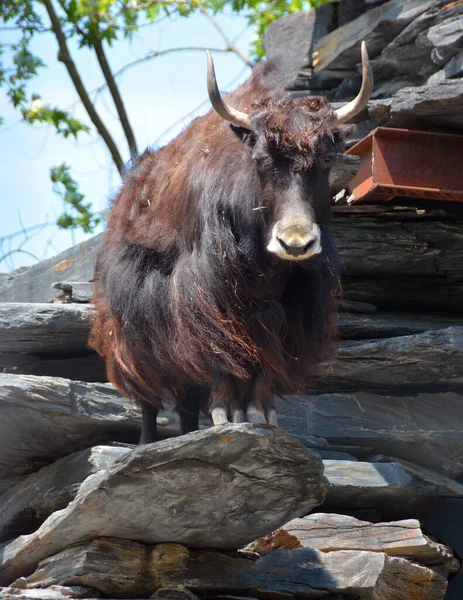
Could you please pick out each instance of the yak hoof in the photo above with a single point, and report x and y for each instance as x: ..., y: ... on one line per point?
x: 219, y: 416
x: 253, y: 415
x: 239, y: 416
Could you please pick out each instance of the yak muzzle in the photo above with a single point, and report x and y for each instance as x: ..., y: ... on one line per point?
x: 295, y: 242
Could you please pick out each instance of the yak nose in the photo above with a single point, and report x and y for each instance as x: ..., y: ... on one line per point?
x: 294, y: 247
x: 299, y: 240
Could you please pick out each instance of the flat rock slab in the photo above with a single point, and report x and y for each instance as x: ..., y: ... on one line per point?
x: 328, y: 532
x: 218, y: 488
x: 36, y: 283
x: 44, y: 328
x: 423, y: 428
x: 46, y: 418
x: 54, y: 592
x: 122, y: 569
x: 24, y: 506
x: 391, y: 488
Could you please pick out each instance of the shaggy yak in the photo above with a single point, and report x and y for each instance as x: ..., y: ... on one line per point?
x: 215, y: 284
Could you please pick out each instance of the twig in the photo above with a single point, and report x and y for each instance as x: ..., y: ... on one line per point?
x: 230, y: 45
x: 118, y: 102
x: 64, y: 56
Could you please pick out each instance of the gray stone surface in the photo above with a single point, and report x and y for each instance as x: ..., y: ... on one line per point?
x: 226, y: 486
x: 44, y: 328
x: 26, y: 505
x: 425, y: 429
x: 390, y: 488
x: 402, y: 365
x: 329, y: 531
x: 54, y: 592
x: 304, y: 29
x: 340, y: 50
x: 45, y: 418
x: 126, y: 569
x: 36, y: 283
x: 74, y: 291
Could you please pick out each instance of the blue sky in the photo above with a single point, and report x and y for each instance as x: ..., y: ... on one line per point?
x: 157, y: 93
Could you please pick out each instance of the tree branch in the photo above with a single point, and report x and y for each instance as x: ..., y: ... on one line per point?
x: 230, y: 45
x: 117, y: 99
x: 64, y: 56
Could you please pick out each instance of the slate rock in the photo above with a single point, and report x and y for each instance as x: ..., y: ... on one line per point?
x: 377, y: 27
x: 26, y: 505
x: 404, y: 364
x: 83, y: 366
x: 35, y: 283
x: 54, y: 592
x: 74, y: 291
x: 214, y: 481
x: 45, y: 418
x: 304, y: 29
x: 391, y: 489
x: 328, y: 532
x: 44, y: 328
x: 425, y: 428
x: 348, y: 10
x: 123, y: 569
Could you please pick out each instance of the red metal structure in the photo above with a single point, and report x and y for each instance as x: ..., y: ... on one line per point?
x: 414, y: 164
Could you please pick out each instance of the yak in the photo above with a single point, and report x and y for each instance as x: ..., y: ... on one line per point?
x: 216, y: 284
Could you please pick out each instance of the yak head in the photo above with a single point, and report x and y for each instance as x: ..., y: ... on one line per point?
x: 292, y: 145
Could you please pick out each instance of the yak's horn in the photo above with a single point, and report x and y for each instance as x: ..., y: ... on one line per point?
x: 355, y: 106
x: 241, y: 119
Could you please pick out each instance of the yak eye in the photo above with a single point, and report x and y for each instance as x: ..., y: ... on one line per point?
x: 328, y: 160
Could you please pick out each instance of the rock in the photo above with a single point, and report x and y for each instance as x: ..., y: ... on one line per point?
x: 232, y: 472
x: 44, y: 328
x: 389, y: 324
x: 420, y: 50
x: 425, y: 428
x: 344, y: 169
x: 54, y: 592
x: 385, y: 487
x: 86, y: 367
x: 45, y: 418
x: 377, y: 27
x: 327, y: 532
x: 35, y: 283
x: 348, y: 10
x: 125, y: 569
x: 27, y: 504
x: 402, y: 365
x: 446, y: 522
x: 304, y: 29
x: 434, y: 105
x: 74, y: 291
x: 454, y: 68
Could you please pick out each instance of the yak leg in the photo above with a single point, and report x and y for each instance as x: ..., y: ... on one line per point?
x: 188, y: 411
x: 149, y: 415
x: 224, y: 403
x: 261, y: 402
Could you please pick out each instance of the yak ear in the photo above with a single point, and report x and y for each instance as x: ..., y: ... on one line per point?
x: 245, y: 135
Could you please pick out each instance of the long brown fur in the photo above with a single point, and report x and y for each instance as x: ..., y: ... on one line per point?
x: 184, y: 286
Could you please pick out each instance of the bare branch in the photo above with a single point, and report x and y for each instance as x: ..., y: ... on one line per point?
x: 117, y: 99
x: 230, y: 45
x: 64, y: 56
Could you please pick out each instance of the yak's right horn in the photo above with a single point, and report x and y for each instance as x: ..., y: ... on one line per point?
x: 357, y: 104
x: 241, y: 119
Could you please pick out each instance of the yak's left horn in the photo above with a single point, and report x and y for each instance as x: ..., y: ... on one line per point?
x: 241, y: 119
x: 355, y: 106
